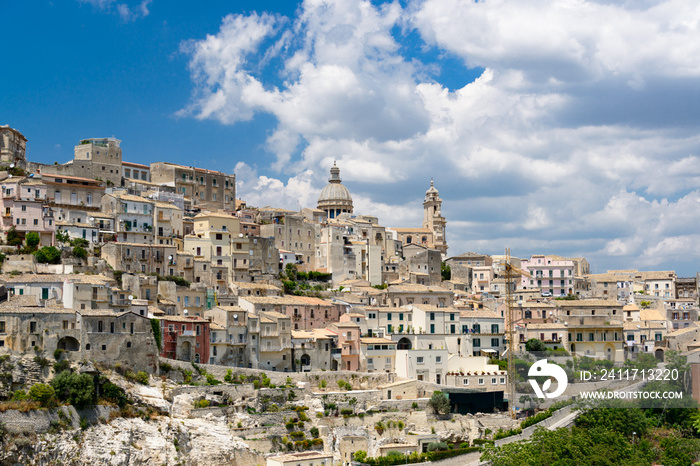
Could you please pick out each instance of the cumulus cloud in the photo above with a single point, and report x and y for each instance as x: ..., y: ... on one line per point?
x: 580, y: 136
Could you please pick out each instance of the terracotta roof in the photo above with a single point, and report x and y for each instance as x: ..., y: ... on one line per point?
x: 376, y: 341
x: 195, y: 319
x: 139, y: 165
x: 482, y: 313
x: 659, y: 275
x: 273, y: 300
x: 131, y: 197
x: 255, y: 286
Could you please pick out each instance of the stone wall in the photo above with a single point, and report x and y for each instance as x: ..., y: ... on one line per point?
x: 358, y: 380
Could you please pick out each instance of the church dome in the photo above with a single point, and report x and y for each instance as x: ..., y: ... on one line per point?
x: 335, y: 198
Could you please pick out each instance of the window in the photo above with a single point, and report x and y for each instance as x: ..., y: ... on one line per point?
x: 465, y: 381
x: 2, y: 326
x: 419, y: 360
x: 432, y: 328
x: 432, y: 316
x: 494, y: 328
x: 438, y: 359
x: 481, y: 381
x: 476, y: 342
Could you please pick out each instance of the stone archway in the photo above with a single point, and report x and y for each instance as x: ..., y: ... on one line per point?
x: 305, y: 360
x: 404, y: 344
x: 659, y: 353
x: 68, y: 344
x: 185, y: 351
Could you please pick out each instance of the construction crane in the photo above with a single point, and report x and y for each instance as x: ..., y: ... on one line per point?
x: 510, y: 274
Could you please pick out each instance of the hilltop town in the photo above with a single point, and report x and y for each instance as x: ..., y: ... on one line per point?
x: 211, y: 331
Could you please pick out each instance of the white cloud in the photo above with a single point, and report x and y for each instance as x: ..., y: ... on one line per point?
x: 579, y: 137
x: 126, y: 11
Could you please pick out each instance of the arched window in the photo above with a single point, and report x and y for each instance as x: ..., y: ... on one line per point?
x: 409, y: 240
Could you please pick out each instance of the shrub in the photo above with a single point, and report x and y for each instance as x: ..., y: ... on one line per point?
x: 60, y: 366
x: 41, y: 361
x: 165, y: 367
x: 19, y: 395
x: 13, y: 238
x: 201, y: 404
x: 76, y: 389
x: 48, y: 255
x: 80, y: 252
x: 32, y: 239
x: 439, y: 403
x: 212, y: 381
x: 43, y: 393
x: 437, y: 446
x: 113, y: 393
x: 322, y: 384
x: 314, y: 432
x: 79, y: 243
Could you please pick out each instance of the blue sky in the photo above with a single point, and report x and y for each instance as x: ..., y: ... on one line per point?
x: 563, y: 127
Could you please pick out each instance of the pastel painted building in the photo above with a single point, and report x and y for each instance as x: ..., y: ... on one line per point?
x: 23, y: 207
x: 185, y: 338
x: 551, y: 275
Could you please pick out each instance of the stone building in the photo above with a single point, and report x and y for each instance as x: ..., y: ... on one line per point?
x: 311, y: 350
x: 234, y: 321
x: 432, y: 233
x: 206, y: 189
x: 99, y: 158
x: 13, y: 146
x: 139, y: 257
x: 98, y: 335
x: 94, y: 159
x: 294, y: 233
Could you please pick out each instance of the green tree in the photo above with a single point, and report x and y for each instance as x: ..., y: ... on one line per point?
x: 43, y: 393
x: 644, y: 361
x: 597, y: 446
x: 360, y: 456
x: 439, y: 403
x: 32, y: 239
x: 13, y: 238
x: 48, y: 255
x: 533, y: 344
x: 76, y: 389
x: 79, y: 252
x: 445, y: 271
x: 62, y: 236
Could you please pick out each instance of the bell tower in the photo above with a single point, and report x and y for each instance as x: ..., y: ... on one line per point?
x: 433, y: 219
